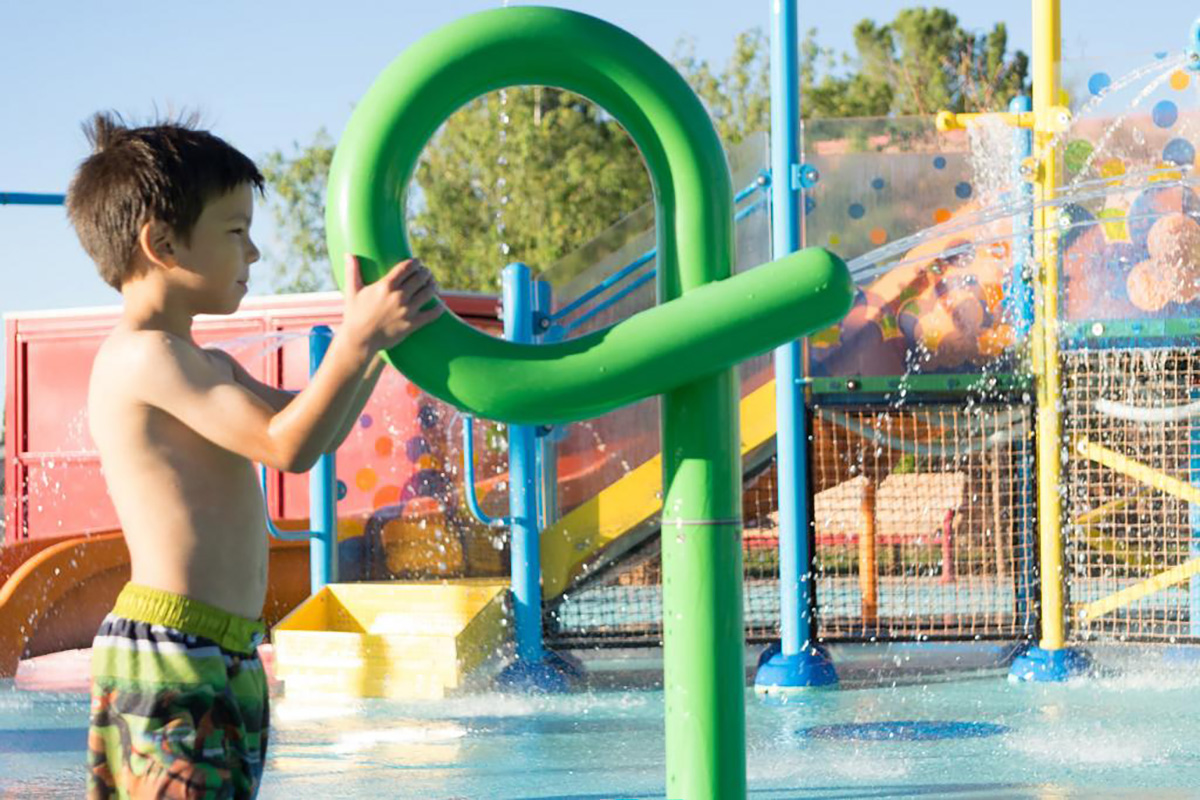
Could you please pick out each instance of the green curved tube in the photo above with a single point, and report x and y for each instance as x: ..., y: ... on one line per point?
x: 649, y: 354
x: 684, y: 348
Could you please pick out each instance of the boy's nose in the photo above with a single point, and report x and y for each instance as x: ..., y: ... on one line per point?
x: 253, y: 254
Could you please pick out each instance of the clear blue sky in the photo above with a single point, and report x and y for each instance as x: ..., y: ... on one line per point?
x: 268, y: 73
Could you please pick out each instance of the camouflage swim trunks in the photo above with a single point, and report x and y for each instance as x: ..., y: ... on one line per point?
x: 176, y: 714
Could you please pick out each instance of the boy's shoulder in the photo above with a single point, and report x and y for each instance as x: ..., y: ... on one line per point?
x: 137, y: 358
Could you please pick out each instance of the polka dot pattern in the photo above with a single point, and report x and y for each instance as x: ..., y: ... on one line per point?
x: 939, y: 162
x: 387, y: 496
x: 1076, y: 154
x: 856, y: 211
x: 1112, y: 168
x: 1098, y: 82
x: 1164, y: 113
x: 962, y: 190
x: 1180, y: 80
x: 1180, y: 152
x: 366, y: 478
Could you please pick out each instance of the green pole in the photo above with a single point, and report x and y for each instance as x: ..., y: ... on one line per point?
x: 684, y: 348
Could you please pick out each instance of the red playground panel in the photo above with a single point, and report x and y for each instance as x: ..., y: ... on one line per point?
x: 52, y: 470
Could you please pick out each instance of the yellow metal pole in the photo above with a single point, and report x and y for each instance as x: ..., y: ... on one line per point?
x: 1047, y: 55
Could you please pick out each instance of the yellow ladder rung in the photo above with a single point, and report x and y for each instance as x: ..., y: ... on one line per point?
x: 1130, y: 595
x: 1143, y: 473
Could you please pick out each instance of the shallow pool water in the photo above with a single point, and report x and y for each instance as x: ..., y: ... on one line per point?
x: 1130, y: 734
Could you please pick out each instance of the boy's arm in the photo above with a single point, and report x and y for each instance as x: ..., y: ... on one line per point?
x: 277, y: 399
x: 362, y: 396
x: 182, y: 380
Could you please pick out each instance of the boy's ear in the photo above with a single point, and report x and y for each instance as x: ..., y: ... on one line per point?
x: 156, y: 242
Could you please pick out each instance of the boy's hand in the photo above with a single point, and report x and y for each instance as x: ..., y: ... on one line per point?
x: 383, y: 314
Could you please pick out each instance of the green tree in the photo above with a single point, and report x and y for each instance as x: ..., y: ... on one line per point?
x: 525, y: 174
x: 297, y: 203
x: 924, y: 61
x: 921, y: 62
x: 738, y: 97
x: 531, y: 173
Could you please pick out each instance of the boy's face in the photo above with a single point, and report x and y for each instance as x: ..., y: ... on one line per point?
x: 215, y: 262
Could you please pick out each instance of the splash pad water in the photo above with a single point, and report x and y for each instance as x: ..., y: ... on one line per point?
x: 928, y: 402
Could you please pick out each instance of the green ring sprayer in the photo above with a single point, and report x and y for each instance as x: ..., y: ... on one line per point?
x: 684, y: 349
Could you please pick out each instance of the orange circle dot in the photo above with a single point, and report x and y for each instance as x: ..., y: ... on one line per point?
x: 1112, y: 168
x: 999, y: 250
x: 1180, y: 80
x: 427, y: 461
x: 383, y: 446
x: 878, y: 236
x: 388, y: 495
x: 412, y: 390
x: 941, y: 215
x: 366, y: 479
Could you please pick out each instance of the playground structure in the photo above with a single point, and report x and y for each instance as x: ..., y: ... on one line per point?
x: 939, y: 410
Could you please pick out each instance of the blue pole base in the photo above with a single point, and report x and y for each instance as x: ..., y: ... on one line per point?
x: 1036, y: 665
x: 553, y: 674
x: 782, y: 675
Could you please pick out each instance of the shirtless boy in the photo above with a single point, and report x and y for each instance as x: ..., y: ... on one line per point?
x: 179, y: 699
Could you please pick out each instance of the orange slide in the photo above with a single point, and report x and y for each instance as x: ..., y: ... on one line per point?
x: 55, y: 592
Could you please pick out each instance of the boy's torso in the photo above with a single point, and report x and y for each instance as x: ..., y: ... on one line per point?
x: 191, y: 511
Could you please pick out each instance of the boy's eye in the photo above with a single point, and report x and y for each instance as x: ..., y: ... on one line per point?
x: 238, y: 230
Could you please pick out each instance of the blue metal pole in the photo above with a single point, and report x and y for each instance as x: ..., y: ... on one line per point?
x: 522, y: 475
x: 1018, y: 299
x: 547, y: 445
x: 797, y: 662
x: 322, y: 488
x: 1018, y: 293
x: 31, y: 199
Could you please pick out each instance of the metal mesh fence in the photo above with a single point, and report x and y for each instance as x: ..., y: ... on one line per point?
x: 924, y: 528
x: 1132, y: 524
x: 924, y: 521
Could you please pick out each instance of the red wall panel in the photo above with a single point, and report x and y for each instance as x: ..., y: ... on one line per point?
x: 51, y: 467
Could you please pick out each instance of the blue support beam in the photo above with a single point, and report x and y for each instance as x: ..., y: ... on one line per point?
x: 322, y: 488
x: 796, y: 662
x: 534, y: 669
x: 31, y: 199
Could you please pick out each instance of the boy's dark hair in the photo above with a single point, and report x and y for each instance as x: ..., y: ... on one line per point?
x: 166, y: 172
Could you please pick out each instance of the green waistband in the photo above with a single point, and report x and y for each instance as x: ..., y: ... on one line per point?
x: 188, y: 616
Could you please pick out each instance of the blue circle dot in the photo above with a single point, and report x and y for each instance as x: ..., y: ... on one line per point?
x: 939, y: 162
x: 1179, y: 152
x: 1161, y: 54
x: 1164, y: 114
x: 366, y: 421
x: 877, y: 184
x: 810, y: 205
x: 856, y: 211
x: 341, y: 490
x: 963, y: 190
x: 1099, y: 82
